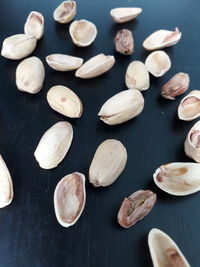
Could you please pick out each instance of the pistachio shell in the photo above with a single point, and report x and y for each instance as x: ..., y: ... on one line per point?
x: 124, y: 42
x: 62, y: 62
x: 64, y: 101
x: 124, y: 14
x: 65, y: 12
x: 54, y: 145
x: 34, y: 25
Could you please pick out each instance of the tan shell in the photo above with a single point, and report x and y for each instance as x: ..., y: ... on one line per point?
x: 62, y: 62
x: 34, y: 25
x: 65, y: 101
x: 95, y: 66
x: 124, y: 42
x: 137, y: 76
x: 178, y: 178
x: 164, y: 251
x: 108, y: 163
x: 18, y: 46
x: 124, y: 14
x: 189, y: 107
x: 65, y: 12
x: 158, y: 63
x: 162, y: 38
x: 30, y: 75
x: 82, y: 32
x: 69, y: 198
x: 6, y: 185
x: 54, y: 145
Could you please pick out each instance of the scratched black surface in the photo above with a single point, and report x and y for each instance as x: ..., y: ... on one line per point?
x: 29, y: 232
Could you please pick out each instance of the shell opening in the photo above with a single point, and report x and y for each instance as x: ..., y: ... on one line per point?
x: 84, y: 32
x: 195, y: 138
x: 190, y: 106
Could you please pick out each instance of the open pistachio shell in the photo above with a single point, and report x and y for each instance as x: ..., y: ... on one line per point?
x: 178, y: 178
x: 124, y: 14
x: 69, y: 198
x: 189, y: 107
x: 164, y: 251
x: 62, y: 62
x: 65, y: 12
x: 162, y: 38
x: 82, y: 32
x: 34, y: 25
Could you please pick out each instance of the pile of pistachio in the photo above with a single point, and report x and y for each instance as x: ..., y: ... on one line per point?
x: 110, y: 158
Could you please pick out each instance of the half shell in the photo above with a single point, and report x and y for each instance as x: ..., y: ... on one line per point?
x: 164, y: 251
x: 124, y: 14
x: 65, y: 12
x: 34, y: 25
x: 178, y: 178
x: 69, y: 198
x: 162, y: 38
x: 82, y: 32
x: 62, y: 62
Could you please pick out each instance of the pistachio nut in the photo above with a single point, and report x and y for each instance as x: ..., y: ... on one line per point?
x: 34, y: 25
x: 65, y: 12
x: 124, y: 42
x: 62, y: 62
x: 124, y: 14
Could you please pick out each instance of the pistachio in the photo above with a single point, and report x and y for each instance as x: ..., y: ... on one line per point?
x: 137, y: 76
x: 54, y: 145
x: 65, y: 12
x: 95, y: 66
x: 18, y: 46
x: 64, y: 101
x: 69, y: 198
x: 136, y: 207
x: 6, y: 185
x: 177, y: 85
x: 62, y: 62
x: 178, y: 178
x: 164, y: 251
x: 189, y: 107
x: 30, y: 75
x: 82, y: 32
x: 108, y: 163
x: 162, y: 38
x: 34, y: 25
x: 122, y: 107
x: 124, y: 43
x: 124, y: 14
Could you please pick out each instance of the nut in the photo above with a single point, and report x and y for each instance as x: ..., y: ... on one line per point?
x: 124, y: 43
x: 34, y: 25
x: 124, y: 14
x: 65, y: 12
x: 64, y: 62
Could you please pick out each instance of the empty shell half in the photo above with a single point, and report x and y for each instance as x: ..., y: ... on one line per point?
x: 108, y: 163
x: 164, y: 251
x: 18, y: 46
x: 54, y: 145
x: 124, y: 42
x: 192, y: 142
x: 124, y: 14
x: 158, y: 63
x: 65, y: 101
x: 6, y: 185
x: 95, y: 66
x: 34, y: 25
x: 137, y: 76
x: 122, y: 107
x: 178, y: 178
x: 162, y: 38
x: 65, y: 12
x: 62, y: 62
x: 189, y: 107
x: 82, y: 32
x: 69, y: 198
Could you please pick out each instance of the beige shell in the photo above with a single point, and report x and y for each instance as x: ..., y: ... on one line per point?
x: 65, y: 12
x: 137, y: 76
x: 54, y: 145
x: 158, y: 63
x: 69, y: 198
x: 108, y: 163
x: 82, y: 32
x: 189, y: 107
x: 6, y: 185
x: 124, y: 14
x: 65, y: 101
x: 164, y: 251
x: 62, y: 62
x: 162, y: 38
x: 95, y: 66
x: 122, y: 107
x: 178, y: 178
x: 34, y: 25
x: 18, y: 46
x: 30, y: 75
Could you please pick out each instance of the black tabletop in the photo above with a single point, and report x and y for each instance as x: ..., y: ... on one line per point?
x: 29, y: 232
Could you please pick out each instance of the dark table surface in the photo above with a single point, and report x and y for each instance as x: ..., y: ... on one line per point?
x: 29, y: 232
